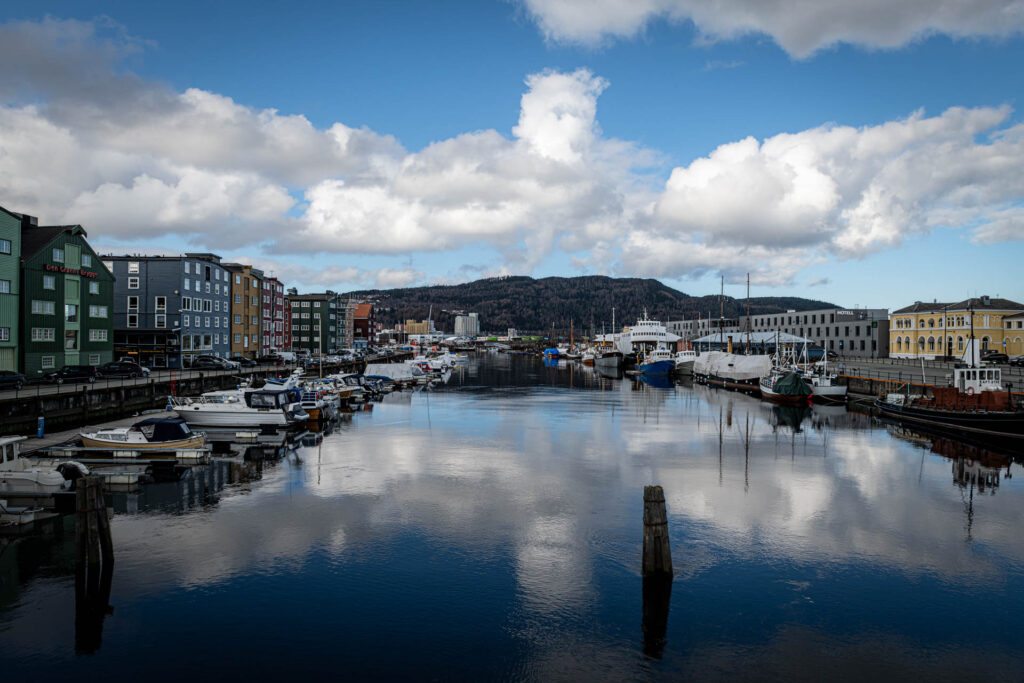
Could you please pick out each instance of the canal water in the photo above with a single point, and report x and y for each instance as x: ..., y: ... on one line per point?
x: 491, y: 529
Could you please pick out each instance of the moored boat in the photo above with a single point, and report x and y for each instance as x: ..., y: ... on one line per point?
x: 684, y: 362
x: 152, y: 434
x: 785, y: 388
x: 659, y: 361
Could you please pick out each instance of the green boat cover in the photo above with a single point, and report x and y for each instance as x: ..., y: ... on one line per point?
x: 792, y: 384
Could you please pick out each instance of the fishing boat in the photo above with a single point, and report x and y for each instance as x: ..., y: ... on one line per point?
x: 608, y: 359
x: 588, y: 357
x: 156, y: 433
x: 826, y: 386
x: 684, y: 362
x: 976, y: 405
x: 659, y: 361
x: 785, y: 387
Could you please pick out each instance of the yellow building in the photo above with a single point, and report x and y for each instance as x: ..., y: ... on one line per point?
x: 425, y: 327
x: 937, y: 329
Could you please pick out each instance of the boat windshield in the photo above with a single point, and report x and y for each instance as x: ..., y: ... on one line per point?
x: 264, y: 399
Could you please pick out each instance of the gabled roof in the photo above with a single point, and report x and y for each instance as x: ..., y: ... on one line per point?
x: 35, y: 238
x: 363, y: 310
x: 983, y: 303
x: 923, y: 307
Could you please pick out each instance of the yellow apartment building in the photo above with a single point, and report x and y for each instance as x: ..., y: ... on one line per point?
x: 939, y: 329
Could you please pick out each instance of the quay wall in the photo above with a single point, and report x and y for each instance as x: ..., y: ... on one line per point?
x: 72, y: 405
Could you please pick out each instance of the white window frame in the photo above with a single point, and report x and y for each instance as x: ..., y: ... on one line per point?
x: 133, y: 320
x: 133, y: 267
x: 131, y: 308
x: 94, y: 288
x: 133, y: 283
x: 47, y: 362
x: 58, y: 255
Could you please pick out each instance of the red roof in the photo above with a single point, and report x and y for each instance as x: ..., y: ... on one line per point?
x: 363, y: 310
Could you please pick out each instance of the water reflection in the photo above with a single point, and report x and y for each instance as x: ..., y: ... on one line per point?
x: 502, y: 511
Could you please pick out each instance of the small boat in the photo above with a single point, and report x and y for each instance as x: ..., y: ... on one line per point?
x: 659, y: 361
x: 611, y: 360
x: 16, y: 474
x: 163, y: 433
x: 684, y: 362
x: 588, y: 357
x: 786, y: 387
x: 242, y: 408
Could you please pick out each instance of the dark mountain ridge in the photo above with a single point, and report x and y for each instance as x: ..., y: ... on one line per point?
x: 541, y: 305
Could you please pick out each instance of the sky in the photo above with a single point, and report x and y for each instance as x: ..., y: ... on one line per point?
x: 868, y: 153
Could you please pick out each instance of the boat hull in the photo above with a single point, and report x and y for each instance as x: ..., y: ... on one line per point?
x: 230, y: 418
x: 751, y: 385
x: 830, y: 394
x: 660, y: 368
x: 197, y: 441
x: 1002, y: 425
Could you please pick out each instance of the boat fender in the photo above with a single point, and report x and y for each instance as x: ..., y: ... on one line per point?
x: 970, y: 391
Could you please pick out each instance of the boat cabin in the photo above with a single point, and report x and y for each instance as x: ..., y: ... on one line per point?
x: 977, y: 380
x: 10, y: 448
x: 267, y: 400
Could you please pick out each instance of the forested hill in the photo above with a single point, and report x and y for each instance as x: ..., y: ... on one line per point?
x: 531, y: 305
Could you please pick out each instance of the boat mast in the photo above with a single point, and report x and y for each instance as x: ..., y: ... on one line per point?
x: 748, y: 313
x: 721, y: 314
x: 970, y: 307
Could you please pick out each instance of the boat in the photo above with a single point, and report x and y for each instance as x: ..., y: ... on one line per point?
x: 659, y: 361
x: 316, y: 404
x: 242, y: 408
x: 976, y: 405
x: 732, y: 371
x: 156, y: 433
x: 785, y: 387
x: 588, y: 357
x: 17, y: 474
x: 684, y: 362
x: 826, y: 386
x: 611, y: 360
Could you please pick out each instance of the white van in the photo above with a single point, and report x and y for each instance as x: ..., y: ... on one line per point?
x: 287, y: 356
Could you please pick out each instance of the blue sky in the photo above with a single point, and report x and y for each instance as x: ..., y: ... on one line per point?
x: 545, y: 138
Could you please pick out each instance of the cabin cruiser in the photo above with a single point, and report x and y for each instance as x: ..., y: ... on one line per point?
x: 242, y: 408
x: 684, y: 362
x: 17, y: 474
x: 154, y: 433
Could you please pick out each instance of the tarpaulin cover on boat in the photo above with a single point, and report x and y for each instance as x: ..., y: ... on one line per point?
x: 732, y: 366
x: 163, y: 429
x: 791, y: 384
x: 394, y: 371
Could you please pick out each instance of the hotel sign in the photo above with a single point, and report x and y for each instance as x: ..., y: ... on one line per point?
x: 69, y: 271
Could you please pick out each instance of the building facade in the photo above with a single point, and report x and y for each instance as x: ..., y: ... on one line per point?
x: 169, y: 309
x: 66, y: 300
x: 272, y: 316
x: 246, y: 309
x: 467, y: 325
x: 364, y: 324
x: 860, y: 332
x: 315, y: 322
x: 286, y: 326
x: 944, y: 329
x: 10, y: 287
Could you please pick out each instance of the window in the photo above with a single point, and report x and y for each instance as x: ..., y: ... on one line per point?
x: 207, y: 277
x: 43, y: 307
x: 97, y: 311
x: 133, y: 304
x: 216, y: 305
x: 238, y: 339
x: 86, y: 261
x: 206, y: 321
x: 207, y: 287
x: 58, y: 255
x: 188, y: 285
x: 71, y: 339
x: 252, y: 320
x: 216, y: 322
x: 133, y: 320
x: 94, y: 359
x: 94, y: 288
x: 5, y: 286
x: 49, y: 282
x: 216, y: 339
x: 71, y: 313
x: 184, y: 321
x: 238, y: 319
x: 238, y: 279
x: 161, y: 303
x: 97, y: 335
x: 225, y: 323
x: 207, y: 305
x: 196, y: 283
x: 238, y: 298
x: 42, y: 334
x: 133, y: 283
x: 188, y: 268
x: 5, y: 334
x: 46, y: 363
x: 133, y: 267
x: 161, y: 321
x: 5, y: 246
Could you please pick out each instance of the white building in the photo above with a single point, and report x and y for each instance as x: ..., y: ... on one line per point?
x: 467, y: 325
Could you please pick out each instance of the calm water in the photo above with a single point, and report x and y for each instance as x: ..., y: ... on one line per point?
x: 491, y: 529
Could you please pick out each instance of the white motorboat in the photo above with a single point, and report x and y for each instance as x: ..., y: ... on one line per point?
x: 17, y: 474
x: 241, y: 408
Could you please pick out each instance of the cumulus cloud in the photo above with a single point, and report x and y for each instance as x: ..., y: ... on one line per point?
x: 140, y: 161
x: 800, y: 27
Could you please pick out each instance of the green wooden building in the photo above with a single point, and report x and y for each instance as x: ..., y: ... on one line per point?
x: 66, y: 300
x: 10, y: 265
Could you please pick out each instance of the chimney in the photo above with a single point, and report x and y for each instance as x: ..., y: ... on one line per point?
x: 986, y: 300
x: 28, y: 221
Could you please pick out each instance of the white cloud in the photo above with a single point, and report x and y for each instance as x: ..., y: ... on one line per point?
x: 800, y: 27
x: 134, y: 160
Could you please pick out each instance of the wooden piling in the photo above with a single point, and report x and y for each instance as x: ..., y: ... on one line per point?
x: 657, y: 555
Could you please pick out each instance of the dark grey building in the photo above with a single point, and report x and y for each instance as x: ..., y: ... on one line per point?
x: 857, y: 332
x: 168, y: 309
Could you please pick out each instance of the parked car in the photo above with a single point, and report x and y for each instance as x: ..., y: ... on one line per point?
x: 9, y: 379
x: 995, y: 357
x: 244, y: 362
x: 271, y: 358
x: 1018, y: 361
x: 123, y: 368
x: 211, y: 363
x: 73, y: 373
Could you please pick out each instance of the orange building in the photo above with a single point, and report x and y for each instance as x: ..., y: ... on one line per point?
x: 246, y: 309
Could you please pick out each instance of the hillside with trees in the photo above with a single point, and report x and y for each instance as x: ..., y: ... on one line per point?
x: 541, y: 305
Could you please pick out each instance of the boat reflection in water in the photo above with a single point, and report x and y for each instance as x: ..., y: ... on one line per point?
x: 790, y: 417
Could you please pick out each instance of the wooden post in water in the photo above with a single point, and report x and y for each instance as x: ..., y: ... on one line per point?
x: 94, y: 563
x: 657, y: 557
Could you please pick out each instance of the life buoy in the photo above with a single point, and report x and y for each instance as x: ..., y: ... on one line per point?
x: 970, y: 391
